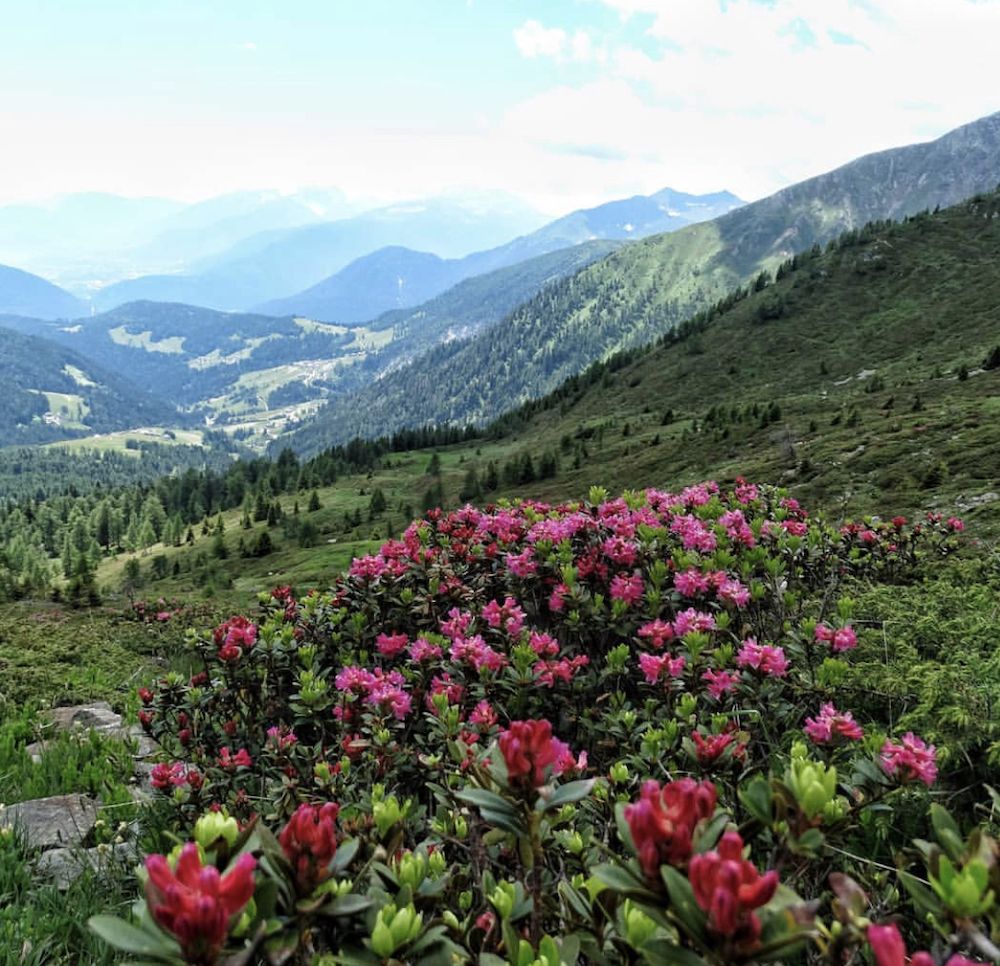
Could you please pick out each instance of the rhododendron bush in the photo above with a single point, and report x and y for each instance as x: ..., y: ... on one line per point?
x: 606, y: 731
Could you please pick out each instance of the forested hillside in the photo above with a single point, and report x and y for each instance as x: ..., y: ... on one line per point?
x: 649, y: 287
x: 862, y: 377
x: 50, y: 393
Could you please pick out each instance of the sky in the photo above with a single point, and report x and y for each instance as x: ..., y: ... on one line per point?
x: 563, y: 103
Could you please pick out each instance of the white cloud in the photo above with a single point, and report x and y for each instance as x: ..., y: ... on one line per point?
x: 759, y: 95
x: 249, y: 45
x: 534, y: 40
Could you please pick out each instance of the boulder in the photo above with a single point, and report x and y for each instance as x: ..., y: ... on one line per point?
x: 64, y: 866
x: 63, y: 820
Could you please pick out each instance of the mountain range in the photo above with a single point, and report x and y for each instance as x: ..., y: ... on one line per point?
x: 652, y: 285
x: 265, y: 271
x: 396, y: 277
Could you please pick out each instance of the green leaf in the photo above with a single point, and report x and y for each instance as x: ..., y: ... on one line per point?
x: 682, y: 902
x: 484, y: 798
x: 349, y: 905
x: 669, y: 954
x: 130, y: 939
x: 344, y: 856
x: 922, y: 897
x: 624, y: 832
x: 756, y: 798
x: 618, y: 879
x: 711, y: 832
x: 948, y: 833
x: 570, y: 792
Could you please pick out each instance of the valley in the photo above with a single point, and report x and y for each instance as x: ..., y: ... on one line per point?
x: 472, y: 584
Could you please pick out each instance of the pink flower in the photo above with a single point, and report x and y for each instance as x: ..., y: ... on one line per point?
x: 710, y: 749
x: 423, y: 650
x: 657, y: 633
x: 654, y: 668
x: 389, y: 645
x: 628, y: 589
x: 691, y: 582
x: 721, y: 682
x: 230, y: 762
x: 386, y: 695
x: 483, y: 714
x: 693, y: 620
x: 830, y: 725
x: 889, y: 949
x: 842, y: 639
x: 522, y: 564
x: 548, y: 672
x: 913, y: 759
x: 557, y: 599
x: 368, y: 568
x: 531, y: 754
x: 164, y: 776
x: 729, y: 888
x: 309, y: 842
x: 955, y: 525
x: 663, y: 822
x: 544, y: 645
x: 766, y: 658
x: 731, y: 591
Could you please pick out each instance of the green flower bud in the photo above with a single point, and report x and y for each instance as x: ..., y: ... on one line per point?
x: 213, y: 826
x: 382, y: 942
x: 619, y: 772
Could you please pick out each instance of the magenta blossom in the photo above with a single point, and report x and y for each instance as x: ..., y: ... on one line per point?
x: 830, y: 725
x: 911, y: 760
x: 769, y: 659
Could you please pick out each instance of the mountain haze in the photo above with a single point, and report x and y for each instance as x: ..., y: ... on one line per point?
x: 650, y: 286
x: 274, y: 264
x: 22, y: 293
x: 395, y: 277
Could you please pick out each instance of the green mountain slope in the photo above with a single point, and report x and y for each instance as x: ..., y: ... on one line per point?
x: 866, y: 378
x: 235, y: 366
x: 51, y: 393
x: 395, y: 277
x: 652, y: 285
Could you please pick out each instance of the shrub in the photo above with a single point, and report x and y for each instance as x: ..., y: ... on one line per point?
x: 610, y: 730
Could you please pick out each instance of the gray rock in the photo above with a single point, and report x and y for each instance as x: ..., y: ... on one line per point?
x: 64, y: 820
x: 97, y: 715
x: 64, y: 866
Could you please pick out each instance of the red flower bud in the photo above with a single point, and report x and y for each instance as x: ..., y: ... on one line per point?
x: 195, y: 903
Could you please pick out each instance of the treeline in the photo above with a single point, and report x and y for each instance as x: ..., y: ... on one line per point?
x: 45, y: 539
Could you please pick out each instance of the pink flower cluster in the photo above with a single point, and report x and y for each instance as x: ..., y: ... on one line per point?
x: 831, y: 725
x: 769, y: 659
x: 382, y: 690
x: 910, y: 760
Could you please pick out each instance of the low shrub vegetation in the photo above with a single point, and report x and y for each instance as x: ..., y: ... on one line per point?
x: 615, y: 730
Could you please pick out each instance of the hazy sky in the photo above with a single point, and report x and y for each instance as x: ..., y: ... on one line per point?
x: 565, y: 102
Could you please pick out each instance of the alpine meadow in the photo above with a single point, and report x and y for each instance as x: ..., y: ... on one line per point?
x: 426, y: 538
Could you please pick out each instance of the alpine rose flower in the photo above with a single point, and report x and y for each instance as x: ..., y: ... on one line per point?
x: 889, y: 949
x: 663, y: 822
x: 195, y: 903
x: 911, y: 760
x: 766, y: 658
x: 530, y: 751
x: 830, y: 725
x: 309, y: 842
x: 729, y: 888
